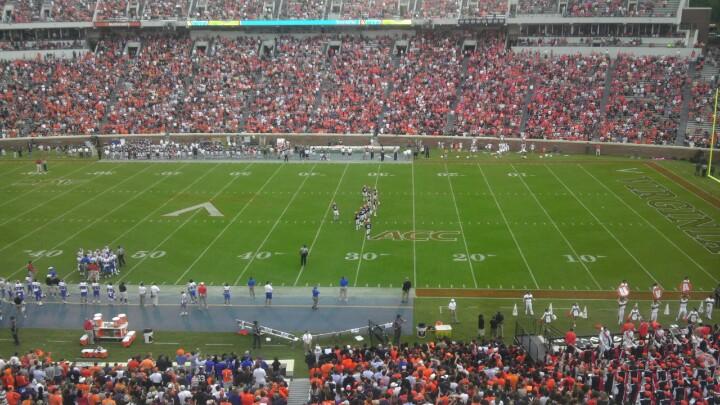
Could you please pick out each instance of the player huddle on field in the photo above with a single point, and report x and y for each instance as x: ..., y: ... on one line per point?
x: 100, y: 263
x: 371, y: 203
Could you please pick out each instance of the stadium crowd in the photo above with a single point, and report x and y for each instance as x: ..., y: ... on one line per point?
x: 84, y: 10
x: 601, y: 8
x: 493, y: 90
x: 360, y: 85
x: 656, y: 366
x: 424, y: 85
x: 357, y: 75
x: 192, y: 378
x: 645, y: 99
x: 566, y: 100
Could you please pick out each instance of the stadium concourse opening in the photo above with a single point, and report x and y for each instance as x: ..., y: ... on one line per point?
x: 470, y: 181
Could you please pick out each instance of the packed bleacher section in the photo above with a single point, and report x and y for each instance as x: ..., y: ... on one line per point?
x: 357, y: 76
x: 438, y: 9
x: 114, y: 10
x: 303, y: 9
x: 658, y: 367
x: 306, y: 85
x: 234, y: 10
x: 566, y: 99
x: 286, y: 90
x: 700, y: 111
x: 148, y: 90
x: 164, y: 9
x: 83, y: 10
x: 645, y: 99
x: 485, y: 8
x: 57, y: 96
x: 601, y: 8
x: 208, y: 106
x: 493, y: 92
x: 372, y: 9
x: 650, y: 365
x: 184, y: 378
x: 701, y: 103
x: 72, y: 10
x: 424, y: 85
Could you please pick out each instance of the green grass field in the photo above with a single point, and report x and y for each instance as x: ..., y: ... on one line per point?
x: 564, y: 223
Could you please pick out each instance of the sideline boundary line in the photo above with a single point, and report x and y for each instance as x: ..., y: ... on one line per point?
x: 282, y: 214
x: 507, y: 224
x: 412, y: 177
x: 557, y: 228
x: 462, y: 230
x: 322, y: 222
x: 675, y: 179
x: 650, y: 224
x: 612, y: 235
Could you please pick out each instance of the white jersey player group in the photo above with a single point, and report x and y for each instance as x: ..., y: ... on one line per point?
x: 105, y: 259
x: 691, y: 315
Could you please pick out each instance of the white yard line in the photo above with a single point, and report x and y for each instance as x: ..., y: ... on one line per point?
x: 462, y: 231
x: 609, y: 232
x: 153, y: 212
x: 650, y: 224
x: 44, y: 202
x: 42, y: 185
x: 507, y: 225
x: 10, y: 174
x: 171, y: 234
x: 362, y: 247
x: 91, y: 223
x: 557, y: 228
x: 74, y: 207
x: 277, y: 221
x: 229, y: 224
x: 162, y: 178
x: 412, y: 177
x: 327, y: 210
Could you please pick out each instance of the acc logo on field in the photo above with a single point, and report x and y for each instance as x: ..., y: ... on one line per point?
x: 418, y: 236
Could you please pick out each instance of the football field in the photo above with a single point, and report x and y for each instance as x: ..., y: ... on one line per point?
x: 564, y: 223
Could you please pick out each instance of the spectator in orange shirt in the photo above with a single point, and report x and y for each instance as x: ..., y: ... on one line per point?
x: 107, y: 401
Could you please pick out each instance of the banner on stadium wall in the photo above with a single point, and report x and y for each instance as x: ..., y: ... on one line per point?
x: 127, y: 24
x: 297, y: 23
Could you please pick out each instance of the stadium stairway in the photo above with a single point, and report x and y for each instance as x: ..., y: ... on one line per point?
x: 299, y: 393
x: 452, y: 117
x: 680, y: 138
x: 526, y: 104
x: 388, y: 90
x: 606, y: 94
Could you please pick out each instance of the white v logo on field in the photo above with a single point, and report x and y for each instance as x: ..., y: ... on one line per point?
x: 633, y: 170
x: 208, y: 206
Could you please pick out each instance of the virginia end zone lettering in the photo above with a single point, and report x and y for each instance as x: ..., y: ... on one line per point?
x: 695, y: 223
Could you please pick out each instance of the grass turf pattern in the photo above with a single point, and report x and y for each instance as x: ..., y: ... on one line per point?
x: 565, y: 223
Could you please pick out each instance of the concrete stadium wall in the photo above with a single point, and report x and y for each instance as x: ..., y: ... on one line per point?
x: 612, y: 51
x: 549, y: 146
x: 33, y: 54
